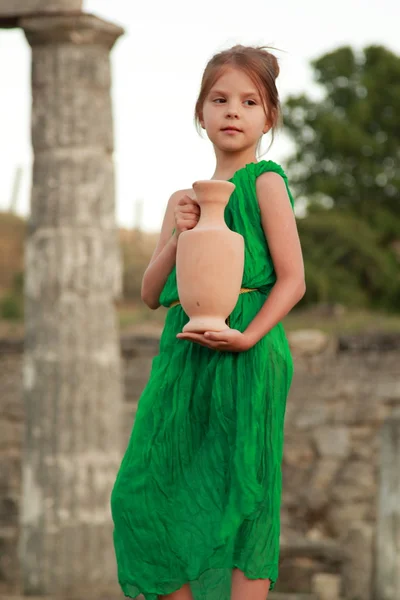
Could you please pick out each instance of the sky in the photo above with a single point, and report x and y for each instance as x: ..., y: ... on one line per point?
x: 157, y: 67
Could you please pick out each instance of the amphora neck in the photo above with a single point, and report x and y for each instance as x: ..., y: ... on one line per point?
x: 212, y: 196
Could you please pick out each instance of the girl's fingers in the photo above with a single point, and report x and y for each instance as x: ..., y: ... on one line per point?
x: 199, y: 338
x: 187, y: 215
x: 185, y: 220
x: 186, y: 201
x: 184, y: 225
x: 217, y: 336
x: 188, y: 208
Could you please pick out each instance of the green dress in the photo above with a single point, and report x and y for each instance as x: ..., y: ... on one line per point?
x: 198, y: 491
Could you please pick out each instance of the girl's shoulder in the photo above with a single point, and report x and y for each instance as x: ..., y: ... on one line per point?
x: 268, y: 166
x: 271, y: 178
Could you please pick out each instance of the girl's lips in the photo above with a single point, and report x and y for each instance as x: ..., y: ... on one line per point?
x: 229, y: 130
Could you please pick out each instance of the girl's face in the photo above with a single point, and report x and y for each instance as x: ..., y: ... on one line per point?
x: 233, y: 112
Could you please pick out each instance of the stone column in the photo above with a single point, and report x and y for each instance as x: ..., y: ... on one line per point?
x: 29, y: 7
x: 387, y: 581
x: 72, y: 374
x: 12, y: 10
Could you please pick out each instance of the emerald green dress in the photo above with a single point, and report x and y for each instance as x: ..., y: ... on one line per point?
x: 198, y: 491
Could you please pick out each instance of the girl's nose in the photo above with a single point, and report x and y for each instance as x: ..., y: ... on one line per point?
x: 232, y: 112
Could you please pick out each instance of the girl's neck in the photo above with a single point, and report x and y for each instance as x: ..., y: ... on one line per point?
x: 228, y: 164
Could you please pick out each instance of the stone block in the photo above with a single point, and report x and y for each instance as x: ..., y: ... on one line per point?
x: 357, y: 481
x: 332, y: 441
x: 358, y: 569
x: 298, y: 450
x: 317, y: 493
x: 311, y: 415
x: 324, y: 473
x: 308, y: 341
x: 364, y: 443
x: 389, y: 390
x: 341, y: 517
x: 326, y: 586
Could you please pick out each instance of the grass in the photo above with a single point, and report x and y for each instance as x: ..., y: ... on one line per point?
x: 137, y: 318
x: 335, y: 321
x: 350, y: 321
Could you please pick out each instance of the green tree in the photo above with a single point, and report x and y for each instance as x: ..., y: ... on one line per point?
x: 346, y: 166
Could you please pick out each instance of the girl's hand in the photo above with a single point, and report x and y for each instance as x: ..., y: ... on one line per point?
x: 227, y: 340
x: 187, y: 214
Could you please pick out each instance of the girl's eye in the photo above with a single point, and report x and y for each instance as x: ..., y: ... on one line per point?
x: 221, y: 100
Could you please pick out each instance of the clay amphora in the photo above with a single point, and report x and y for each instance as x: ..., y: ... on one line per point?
x: 209, y: 261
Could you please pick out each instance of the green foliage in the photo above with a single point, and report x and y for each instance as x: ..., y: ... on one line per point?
x: 12, y: 304
x: 346, y: 165
x: 344, y: 262
x: 11, y: 308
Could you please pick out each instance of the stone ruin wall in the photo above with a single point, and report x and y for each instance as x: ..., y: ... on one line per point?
x: 342, y: 392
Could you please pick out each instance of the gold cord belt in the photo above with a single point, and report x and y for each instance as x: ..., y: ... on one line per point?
x: 242, y: 291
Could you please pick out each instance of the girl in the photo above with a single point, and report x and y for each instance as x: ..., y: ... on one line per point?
x: 196, y: 503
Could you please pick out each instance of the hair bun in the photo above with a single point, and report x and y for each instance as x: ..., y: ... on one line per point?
x: 274, y: 64
x: 271, y: 60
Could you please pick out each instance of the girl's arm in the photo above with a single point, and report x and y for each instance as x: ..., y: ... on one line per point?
x: 280, y: 229
x: 181, y: 210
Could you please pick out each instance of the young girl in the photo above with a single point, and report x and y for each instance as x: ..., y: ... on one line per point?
x: 196, y: 503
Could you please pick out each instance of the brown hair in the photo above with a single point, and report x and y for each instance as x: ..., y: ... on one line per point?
x: 259, y: 64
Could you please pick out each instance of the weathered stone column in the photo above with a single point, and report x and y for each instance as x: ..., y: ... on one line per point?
x: 387, y: 581
x: 17, y: 8
x: 72, y: 377
x: 12, y: 10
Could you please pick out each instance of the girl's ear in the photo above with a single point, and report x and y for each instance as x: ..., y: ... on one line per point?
x: 267, y: 126
x: 201, y: 121
x: 270, y: 121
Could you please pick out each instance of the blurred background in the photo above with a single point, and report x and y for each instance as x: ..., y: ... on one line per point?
x: 339, y: 89
x: 96, y: 124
